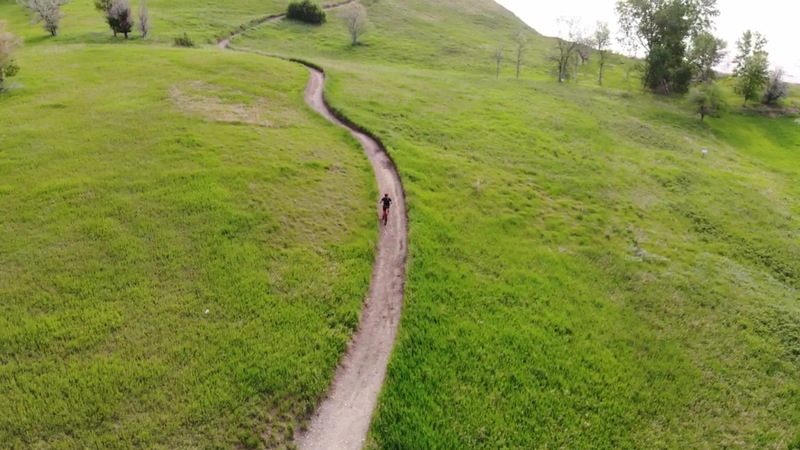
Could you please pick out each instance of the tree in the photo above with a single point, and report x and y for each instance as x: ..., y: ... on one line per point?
x: 45, y: 11
x: 498, y: 57
x: 570, y: 36
x: 355, y: 19
x: 662, y: 28
x: 120, y: 17
x: 748, y: 45
x: 752, y: 66
x: 602, y: 42
x: 706, y: 99
x: 520, y: 45
x: 706, y: 52
x: 8, y: 45
x: 144, y: 18
x: 777, y: 88
x: 103, y: 6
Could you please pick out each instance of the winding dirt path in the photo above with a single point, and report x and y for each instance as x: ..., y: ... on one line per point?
x: 343, y: 418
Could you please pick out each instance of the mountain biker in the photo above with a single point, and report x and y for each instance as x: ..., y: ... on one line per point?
x: 386, y: 202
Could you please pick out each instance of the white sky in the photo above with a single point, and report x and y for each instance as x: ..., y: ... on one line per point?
x: 776, y: 19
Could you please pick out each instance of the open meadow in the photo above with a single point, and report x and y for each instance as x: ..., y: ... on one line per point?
x: 184, y: 248
x: 580, y: 276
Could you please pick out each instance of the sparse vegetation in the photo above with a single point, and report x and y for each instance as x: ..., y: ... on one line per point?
x: 306, y: 11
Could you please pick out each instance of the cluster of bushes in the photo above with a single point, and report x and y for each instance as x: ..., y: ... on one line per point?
x: 307, y: 12
x: 119, y: 16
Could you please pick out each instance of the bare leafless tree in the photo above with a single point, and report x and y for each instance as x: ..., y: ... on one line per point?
x: 602, y: 42
x: 45, y: 11
x: 777, y: 88
x: 144, y: 18
x: 521, y: 44
x: 355, y: 18
x: 498, y: 57
x: 570, y: 38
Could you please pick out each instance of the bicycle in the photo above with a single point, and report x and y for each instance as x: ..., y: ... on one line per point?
x: 385, y: 216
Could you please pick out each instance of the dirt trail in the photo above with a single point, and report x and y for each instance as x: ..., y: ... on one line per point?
x: 342, y: 420
x: 224, y: 43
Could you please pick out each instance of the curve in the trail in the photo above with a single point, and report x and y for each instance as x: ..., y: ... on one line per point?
x: 342, y: 420
x: 224, y: 42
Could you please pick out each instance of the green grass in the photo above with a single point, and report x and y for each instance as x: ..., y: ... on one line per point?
x: 579, y: 276
x: 140, y: 187
x: 203, y: 20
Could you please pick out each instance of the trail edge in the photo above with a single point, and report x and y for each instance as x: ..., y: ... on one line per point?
x: 342, y: 419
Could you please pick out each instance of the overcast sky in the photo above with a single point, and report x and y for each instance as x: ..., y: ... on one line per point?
x: 776, y: 19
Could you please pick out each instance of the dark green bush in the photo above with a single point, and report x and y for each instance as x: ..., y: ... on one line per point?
x: 306, y: 11
x: 183, y: 41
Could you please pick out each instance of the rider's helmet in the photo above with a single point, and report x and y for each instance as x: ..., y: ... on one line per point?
x: 385, y: 195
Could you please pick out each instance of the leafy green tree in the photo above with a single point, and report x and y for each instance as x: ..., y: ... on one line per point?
x: 706, y: 52
x: 662, y: 28
x: 748, y: 45
x: 707, y: 100
x: 602, y: 42
x: 8, y: 44
x: 752, y: 66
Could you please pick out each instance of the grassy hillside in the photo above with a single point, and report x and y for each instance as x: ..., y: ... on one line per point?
x: 184, y: 247
x: 203, y: 20
x: 580, y: 277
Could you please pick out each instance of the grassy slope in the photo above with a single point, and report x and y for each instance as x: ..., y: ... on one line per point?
x: 135, y: 193
x: 203, y: 20
x: 580, y: 277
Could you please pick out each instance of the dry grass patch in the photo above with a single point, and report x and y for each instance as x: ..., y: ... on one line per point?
x: 218, y: 104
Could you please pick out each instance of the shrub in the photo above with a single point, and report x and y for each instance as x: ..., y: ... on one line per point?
x: 8, y: 44
x: 706, y: 100
x: 307, y: 12
x: 120, y: 18
x: 183, y: 41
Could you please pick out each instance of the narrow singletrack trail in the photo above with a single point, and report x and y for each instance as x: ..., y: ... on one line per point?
x: 342, y: 420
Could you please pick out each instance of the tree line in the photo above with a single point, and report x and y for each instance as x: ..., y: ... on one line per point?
x: 680, y: 53
x: 117, y: 13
